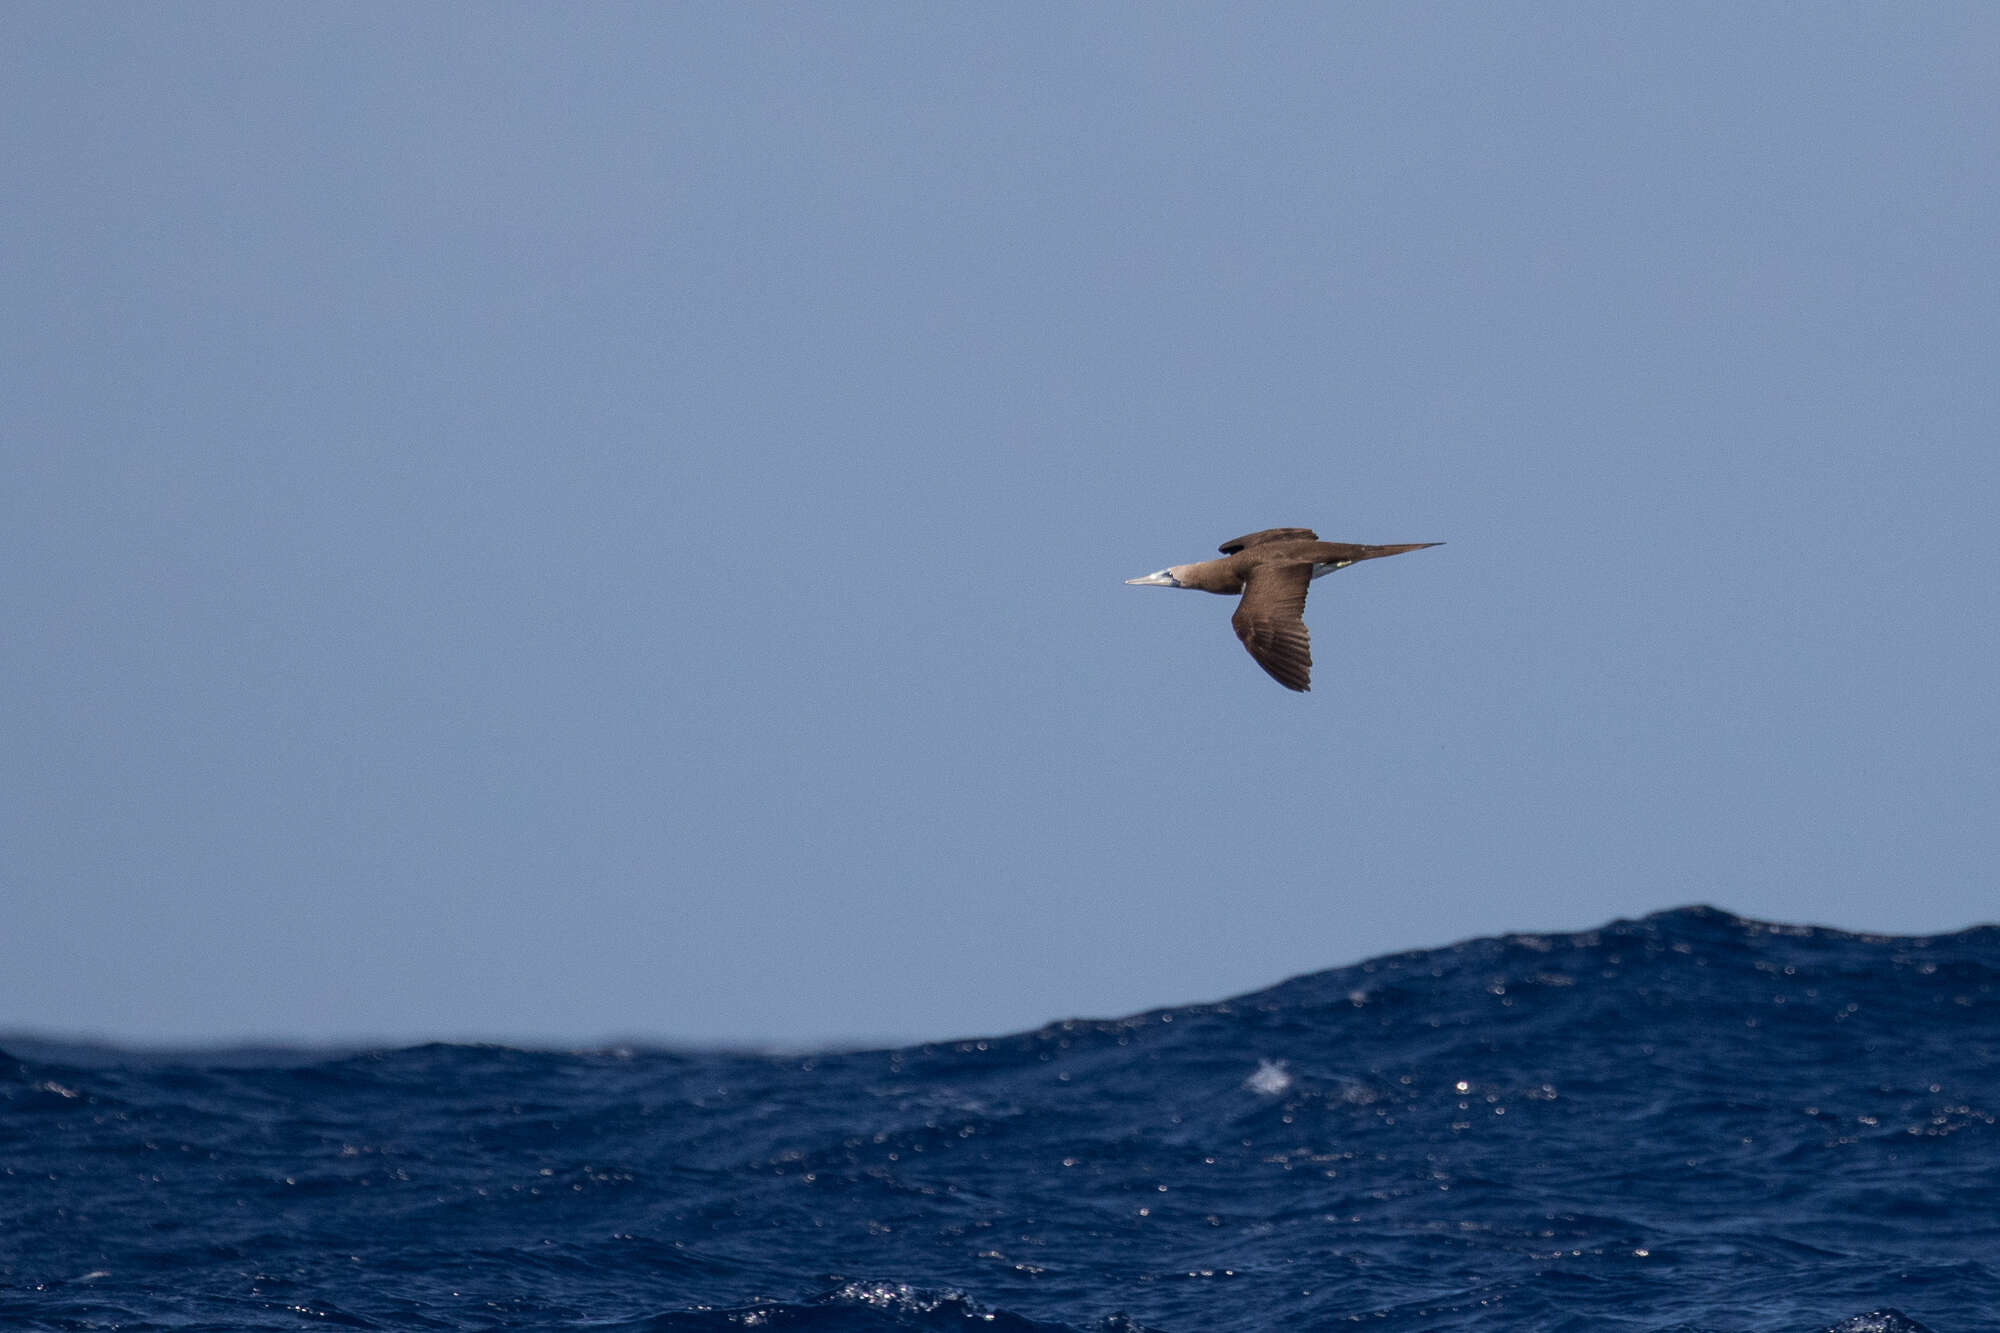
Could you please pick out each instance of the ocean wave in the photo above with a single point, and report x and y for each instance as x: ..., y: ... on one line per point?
x: 1690, y: 1122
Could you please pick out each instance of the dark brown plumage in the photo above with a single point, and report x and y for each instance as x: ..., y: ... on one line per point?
x: 1273, y: 569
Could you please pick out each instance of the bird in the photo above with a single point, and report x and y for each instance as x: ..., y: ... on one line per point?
x: 1273, y: 569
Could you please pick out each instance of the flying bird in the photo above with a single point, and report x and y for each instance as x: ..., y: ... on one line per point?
x: 1273, y: 570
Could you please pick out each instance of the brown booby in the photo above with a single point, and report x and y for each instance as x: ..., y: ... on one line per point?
x: 1273, y: 569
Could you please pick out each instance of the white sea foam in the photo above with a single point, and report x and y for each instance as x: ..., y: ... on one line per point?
x: 1270, y: 1079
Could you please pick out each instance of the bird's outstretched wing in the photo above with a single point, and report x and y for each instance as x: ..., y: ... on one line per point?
x: 1235, y: 544
x: 1271, y: 622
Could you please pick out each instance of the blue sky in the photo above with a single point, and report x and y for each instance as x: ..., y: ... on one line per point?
x: 562, y: 523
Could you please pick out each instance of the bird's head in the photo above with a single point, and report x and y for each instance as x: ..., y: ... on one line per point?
x: 1166, y: 578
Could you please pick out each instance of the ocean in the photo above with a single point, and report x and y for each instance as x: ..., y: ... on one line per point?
x: 1690, y: 1123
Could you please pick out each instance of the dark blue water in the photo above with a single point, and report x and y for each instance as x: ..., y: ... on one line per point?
x: 1690, y: 1122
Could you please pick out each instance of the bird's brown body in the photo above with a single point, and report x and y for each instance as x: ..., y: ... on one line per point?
x: 1273, y: 569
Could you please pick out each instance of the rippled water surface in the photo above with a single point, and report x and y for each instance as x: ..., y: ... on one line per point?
x: 1690, y: 1122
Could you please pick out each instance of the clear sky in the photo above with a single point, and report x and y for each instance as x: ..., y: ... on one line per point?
x: 561, y: 522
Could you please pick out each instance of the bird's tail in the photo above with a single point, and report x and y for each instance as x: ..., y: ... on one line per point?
x: 1371, y: 552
